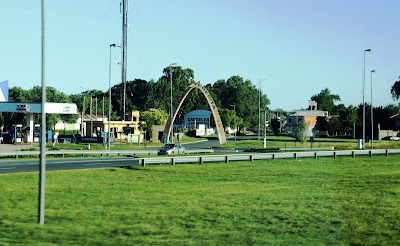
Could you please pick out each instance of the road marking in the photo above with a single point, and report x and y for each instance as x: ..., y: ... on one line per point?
x: 86, y: 160
x: 7, y: 167
x: 94, y: 164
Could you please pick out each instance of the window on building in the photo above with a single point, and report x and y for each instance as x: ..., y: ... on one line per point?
x: 128, y: 130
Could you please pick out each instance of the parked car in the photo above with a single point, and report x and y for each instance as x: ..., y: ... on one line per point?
x: 171, y: 148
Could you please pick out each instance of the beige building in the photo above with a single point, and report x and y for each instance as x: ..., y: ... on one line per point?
x: 309, y: 116
x: 120, y: 129
x: 157, y: 133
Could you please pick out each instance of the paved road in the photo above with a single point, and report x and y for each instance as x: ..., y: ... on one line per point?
x: 209, y: 144
x: 19, y: 165
x: 206, y: 144
x: 16, y: 147
x: 16, y: 166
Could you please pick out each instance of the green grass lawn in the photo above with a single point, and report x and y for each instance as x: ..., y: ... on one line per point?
x: 343, y: 201
x: 272, y: 142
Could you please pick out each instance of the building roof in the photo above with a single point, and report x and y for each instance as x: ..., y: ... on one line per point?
x: 310, y: 113
x: 396, y: 116
x: 199, y: 112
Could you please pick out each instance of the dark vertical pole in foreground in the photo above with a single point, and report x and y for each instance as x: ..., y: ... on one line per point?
x: 124, y: 9
x: 42, y: 168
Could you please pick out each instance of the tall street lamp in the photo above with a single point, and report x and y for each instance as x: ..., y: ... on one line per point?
x: 83, y: 113
x: 265, y: 128
x: 259, y: 109
x: 234, y: 119
x: 42, y: 166
x: 109, y: 99
x: 372, y: 116
x: 363, y: 100
x: 172, y: 114
x: 90, y: 111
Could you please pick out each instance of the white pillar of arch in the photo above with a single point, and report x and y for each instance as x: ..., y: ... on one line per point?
x: 29, y: 123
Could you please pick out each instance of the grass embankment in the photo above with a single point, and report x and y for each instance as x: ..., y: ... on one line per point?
x: 288, y: 142
x: 298, y: 202
x: 272, y: 142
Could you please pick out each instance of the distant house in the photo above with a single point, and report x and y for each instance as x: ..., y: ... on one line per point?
x: 196, y: 117
x: 309, y: 116
x: 393, y: 133
x: 396, y: 122
x: 120, y: 129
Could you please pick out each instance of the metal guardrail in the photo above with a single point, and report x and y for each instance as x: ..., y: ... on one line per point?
x: 64, y: 153
x: 172, y: 160
x: 251, y: 156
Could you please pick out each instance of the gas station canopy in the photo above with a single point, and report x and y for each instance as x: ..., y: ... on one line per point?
x: 29, y: 109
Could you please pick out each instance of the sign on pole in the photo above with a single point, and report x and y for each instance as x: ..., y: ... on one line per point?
x: 178, y: 136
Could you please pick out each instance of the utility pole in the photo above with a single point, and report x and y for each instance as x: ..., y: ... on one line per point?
x: 124, y: 9
x: 234, y: 119
x: 42, y: 166
x: 259, y: 108
x: 265, y: 128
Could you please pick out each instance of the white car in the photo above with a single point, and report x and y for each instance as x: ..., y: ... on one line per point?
x: 171, y: 148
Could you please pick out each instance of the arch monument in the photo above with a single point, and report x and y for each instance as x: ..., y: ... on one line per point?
x: 211, y: 103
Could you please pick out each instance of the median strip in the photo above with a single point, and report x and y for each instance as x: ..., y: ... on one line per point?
x: 95, y: 164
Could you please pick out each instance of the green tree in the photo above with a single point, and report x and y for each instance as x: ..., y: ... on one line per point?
x: 227, y: 117
x: 395, y: 90
x: 326, y: 100
x: 321, y: 124
x: 348, y: 116
x: 152, y: 117
x: 245, y: 96
x: 181, y: 79
x: 280, y: 112
x: 137, y: 94
x: 299, y: 131
x: 333, y: 125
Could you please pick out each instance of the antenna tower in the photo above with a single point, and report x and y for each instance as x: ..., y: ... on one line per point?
x: 124, y: 9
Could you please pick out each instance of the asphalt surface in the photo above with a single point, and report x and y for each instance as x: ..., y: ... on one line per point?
x: 53, y: 164
x: 32, y: 165
x: 17, y: 147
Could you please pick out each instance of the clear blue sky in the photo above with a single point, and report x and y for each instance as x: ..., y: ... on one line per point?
x: 295, y: 48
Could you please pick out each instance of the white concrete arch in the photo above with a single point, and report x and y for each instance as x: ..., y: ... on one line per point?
x: 211, y: 103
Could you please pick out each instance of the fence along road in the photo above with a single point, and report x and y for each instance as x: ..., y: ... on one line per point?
x: 27, y: 165
x: 82, y: 153
x: 261, y: 156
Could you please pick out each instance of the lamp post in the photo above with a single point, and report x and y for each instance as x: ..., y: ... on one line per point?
x: 90, y: 111
x: 91, y: 118
x: 234, y: 119
x: 109, y: 99
x: 259, y: 109
x: 265, y: 128
x: 372, y: 116
x: 171, y: 113
x: 83, y: 113
x: 363, y: 101
x: 42, y: 166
